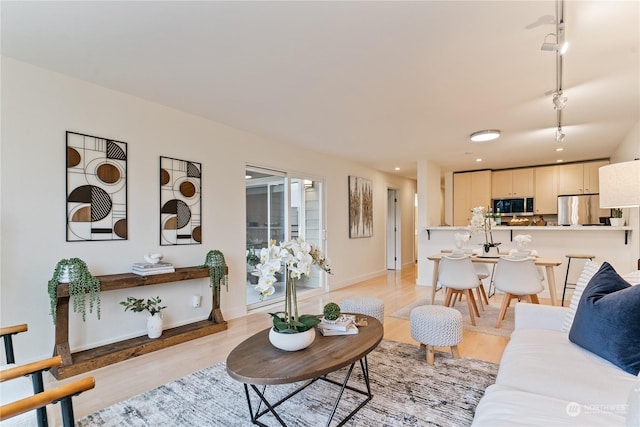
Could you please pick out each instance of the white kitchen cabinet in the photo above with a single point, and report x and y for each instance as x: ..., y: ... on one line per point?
x: 512, y: 183
x: 470, y: 189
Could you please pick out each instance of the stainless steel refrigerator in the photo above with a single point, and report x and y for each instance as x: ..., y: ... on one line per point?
x: 581, y: 210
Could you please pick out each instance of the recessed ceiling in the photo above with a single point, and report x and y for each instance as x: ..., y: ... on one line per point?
x: 381, y: 83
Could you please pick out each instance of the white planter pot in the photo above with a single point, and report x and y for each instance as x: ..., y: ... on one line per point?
x: 64, y: 275
x: 292, y: 342
x: 154, y: 325
x: 616, y: 222
x: 492, y: 253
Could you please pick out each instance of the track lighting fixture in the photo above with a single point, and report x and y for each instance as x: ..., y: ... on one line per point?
x: 559, y: 101
x: 560, y: 47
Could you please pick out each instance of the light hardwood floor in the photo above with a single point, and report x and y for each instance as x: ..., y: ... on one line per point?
x: 120, y: 381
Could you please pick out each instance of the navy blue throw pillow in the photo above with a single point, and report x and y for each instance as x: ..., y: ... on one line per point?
x: 607, y: 320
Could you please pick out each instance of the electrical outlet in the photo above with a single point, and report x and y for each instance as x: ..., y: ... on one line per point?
x: 196, y: 301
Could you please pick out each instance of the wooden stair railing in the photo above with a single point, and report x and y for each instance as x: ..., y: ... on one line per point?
x: 62, y: 394
x: 7, y: 335
x: 40, y: 398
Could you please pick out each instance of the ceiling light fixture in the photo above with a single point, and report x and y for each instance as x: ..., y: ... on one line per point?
x: 559, y: 101
x: 559, y: 134
x: 560, y: 47
x: 485, y: 135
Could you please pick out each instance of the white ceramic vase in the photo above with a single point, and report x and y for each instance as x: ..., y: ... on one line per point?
x: 292, y: 342
x: 154, y: 325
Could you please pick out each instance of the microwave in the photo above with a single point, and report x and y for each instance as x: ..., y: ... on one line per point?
x: 517, y: 206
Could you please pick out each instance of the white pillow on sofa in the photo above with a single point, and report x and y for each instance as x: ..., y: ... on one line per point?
x: 590, y: 268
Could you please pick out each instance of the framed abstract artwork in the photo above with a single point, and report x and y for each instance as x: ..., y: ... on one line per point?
x: 96, y: 188
x: 360, y: 207
x: 180, y: 202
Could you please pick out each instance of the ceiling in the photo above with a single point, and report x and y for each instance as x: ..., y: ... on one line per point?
x: 381, y: 83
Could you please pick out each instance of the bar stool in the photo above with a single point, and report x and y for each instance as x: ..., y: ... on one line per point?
x: 566, y: 277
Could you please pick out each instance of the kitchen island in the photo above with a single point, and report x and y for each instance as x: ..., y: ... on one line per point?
x: 611, y: 244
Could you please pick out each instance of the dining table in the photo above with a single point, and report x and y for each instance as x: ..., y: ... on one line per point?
x: 549, y: 263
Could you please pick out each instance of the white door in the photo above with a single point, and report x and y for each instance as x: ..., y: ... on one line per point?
x: 393, y: 230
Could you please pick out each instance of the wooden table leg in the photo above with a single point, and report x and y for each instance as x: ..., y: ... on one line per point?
x: 551, y: 279
x: 434, y: 280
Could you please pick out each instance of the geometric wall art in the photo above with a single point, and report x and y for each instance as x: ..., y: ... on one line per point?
x: 96, y: 188
x: 360, y: 207
x: 180, y: 202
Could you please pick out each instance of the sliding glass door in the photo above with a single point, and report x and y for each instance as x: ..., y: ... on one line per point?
x: 281, y: 207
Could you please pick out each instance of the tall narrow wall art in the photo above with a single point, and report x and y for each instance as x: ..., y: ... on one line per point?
x: 180, y: 202
x: 360, y: 207
x: 96, y: 188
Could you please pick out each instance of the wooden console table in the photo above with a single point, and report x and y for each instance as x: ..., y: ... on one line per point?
x: 94, y: 358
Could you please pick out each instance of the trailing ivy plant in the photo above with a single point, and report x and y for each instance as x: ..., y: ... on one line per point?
x: 217, y: 271
x: 80, y: 282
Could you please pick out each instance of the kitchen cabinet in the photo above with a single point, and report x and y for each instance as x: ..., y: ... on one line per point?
x: 579, y: 178
x: 546, y: 190
x: 512, y: 183
x: 470, y: 189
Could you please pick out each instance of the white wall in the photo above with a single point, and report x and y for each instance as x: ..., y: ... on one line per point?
x: 38, y: 106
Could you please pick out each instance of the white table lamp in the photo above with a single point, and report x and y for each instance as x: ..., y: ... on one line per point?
x: 620, y: 186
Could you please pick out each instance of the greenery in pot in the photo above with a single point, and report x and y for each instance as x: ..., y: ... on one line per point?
x: 217, y: 266
x: 252, y: 258
x: 137, y: 305
x: 297, y: 256
x: 80, y: 282
x: 616, y: 213
x: 331, y: 311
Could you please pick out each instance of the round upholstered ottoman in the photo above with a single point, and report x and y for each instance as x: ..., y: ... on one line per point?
x: 436, y: 326
x: 364, y: 305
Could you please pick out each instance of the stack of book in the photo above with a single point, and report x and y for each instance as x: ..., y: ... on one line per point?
x: 148, y: 268
x: 345, y: 325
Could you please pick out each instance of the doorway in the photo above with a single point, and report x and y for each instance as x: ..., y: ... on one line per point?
x: 280, y: 207
x: 394, y: 240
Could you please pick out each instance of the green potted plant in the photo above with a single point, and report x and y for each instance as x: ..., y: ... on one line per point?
x: 252, y: 260
x: 291, y: 331
x: 153, y: 307
x: 217, y: 266
x: 75, y: 272
x: 331, y: 312
x: 616, y: 219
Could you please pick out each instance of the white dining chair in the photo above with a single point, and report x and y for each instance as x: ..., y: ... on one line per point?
x: 517, y: 278
x: 483, y: 272
x: 460, y: 278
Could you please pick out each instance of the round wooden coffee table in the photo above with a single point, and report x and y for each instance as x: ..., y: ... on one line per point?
x: 256, y: 362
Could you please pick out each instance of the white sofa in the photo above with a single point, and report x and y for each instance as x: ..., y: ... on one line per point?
x: 546, y: 380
